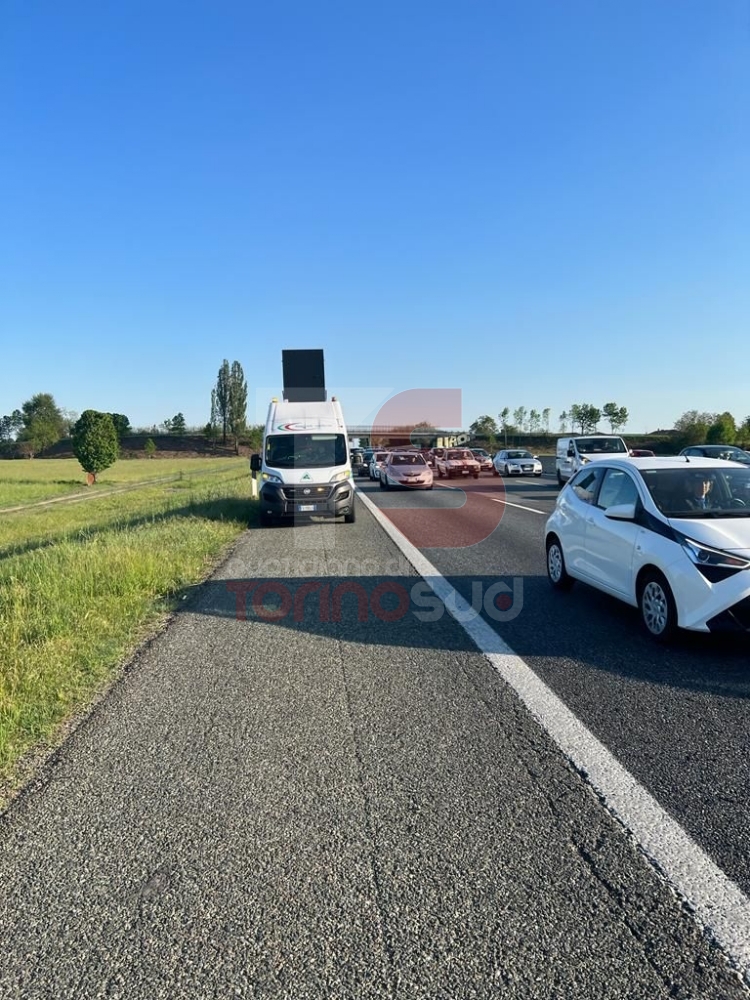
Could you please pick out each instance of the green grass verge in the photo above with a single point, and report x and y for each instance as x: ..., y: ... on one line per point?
x: 82, y: 586
x: 28, y: 481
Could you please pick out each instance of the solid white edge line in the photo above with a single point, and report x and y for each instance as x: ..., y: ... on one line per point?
x: 718, y: 903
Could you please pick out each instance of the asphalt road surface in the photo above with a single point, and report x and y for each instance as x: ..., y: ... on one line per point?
x: 308, y: 790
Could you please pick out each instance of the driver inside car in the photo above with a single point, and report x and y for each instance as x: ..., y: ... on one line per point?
x: 698, y: 492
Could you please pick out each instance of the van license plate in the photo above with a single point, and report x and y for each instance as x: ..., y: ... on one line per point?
x: 304, y: 507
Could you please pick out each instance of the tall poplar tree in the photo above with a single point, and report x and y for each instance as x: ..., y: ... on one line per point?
x: 237, y: 401
x: 223, y: 397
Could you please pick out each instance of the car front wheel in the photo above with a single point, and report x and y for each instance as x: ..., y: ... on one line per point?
x: 557, y: 574
x: 657, y: 607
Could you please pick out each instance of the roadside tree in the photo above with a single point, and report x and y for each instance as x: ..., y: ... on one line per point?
x: 484, y: 427
x: 95, y: 443
x: 43, y: 423
x: 237, y: 417
x: 723, y: 430
x: 176, y: 425
x: 585, y: 416
x: 693, y: 427
x: 616, y: 415
x: 122, y: 425
x: 223, y: 396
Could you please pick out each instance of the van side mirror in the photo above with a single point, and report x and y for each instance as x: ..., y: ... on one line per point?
x: 255, y: 463
x: 571, y: 453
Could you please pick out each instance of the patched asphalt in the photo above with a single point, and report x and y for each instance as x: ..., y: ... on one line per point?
x: 343, y: 802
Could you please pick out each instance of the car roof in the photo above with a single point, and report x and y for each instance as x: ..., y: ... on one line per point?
x: 686, y: 462
x: 713, y: 447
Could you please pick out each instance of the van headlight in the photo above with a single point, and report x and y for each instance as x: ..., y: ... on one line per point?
x: 584, y: 460
x: 270, y: 477
x: 340, y: 476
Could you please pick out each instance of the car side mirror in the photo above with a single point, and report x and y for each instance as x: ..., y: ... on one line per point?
x: 255, y: 463
x: 621, y: 512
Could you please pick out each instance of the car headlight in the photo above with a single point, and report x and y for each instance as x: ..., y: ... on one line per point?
x: 270, y: 477
x: 715, y: 564
x: 339, y: 476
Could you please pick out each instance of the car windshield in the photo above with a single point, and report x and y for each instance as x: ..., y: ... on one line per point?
x: 407, y: 460
x: 459, y: 455
x: 729, y: 454
x: 700, y: 492
x: 520, y: 454
x: 601, y: 446
x: 306, y: 451
x: 481, y: 452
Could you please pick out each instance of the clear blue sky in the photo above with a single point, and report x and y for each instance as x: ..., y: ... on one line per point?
x: 538, y: 202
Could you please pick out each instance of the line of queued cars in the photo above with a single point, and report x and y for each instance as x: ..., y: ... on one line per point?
x: 451, y: 463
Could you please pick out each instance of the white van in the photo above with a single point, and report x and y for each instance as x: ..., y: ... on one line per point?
x: 574, y: 452
x: 305, y: 467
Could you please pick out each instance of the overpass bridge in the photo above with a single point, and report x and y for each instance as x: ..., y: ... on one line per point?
x: 421, y: 437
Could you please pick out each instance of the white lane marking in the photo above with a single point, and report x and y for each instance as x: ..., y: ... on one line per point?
x: 718, y: 903
x: 534, y: 510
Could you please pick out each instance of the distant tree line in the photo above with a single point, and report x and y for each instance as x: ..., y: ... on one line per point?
x: 41, y: 423
x: 693, y: 427
x: 696, y: 427
x: 582, y: 417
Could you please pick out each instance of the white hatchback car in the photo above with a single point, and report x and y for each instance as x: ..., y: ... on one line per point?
x: 670, y: 536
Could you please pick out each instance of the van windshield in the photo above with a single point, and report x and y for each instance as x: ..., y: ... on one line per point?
x: 601, y: 446
x: 305, y: 451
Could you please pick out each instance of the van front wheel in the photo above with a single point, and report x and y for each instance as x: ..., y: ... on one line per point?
x: 560, y: 480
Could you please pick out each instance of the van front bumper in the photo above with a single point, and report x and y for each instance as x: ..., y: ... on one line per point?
x: 289, y: 501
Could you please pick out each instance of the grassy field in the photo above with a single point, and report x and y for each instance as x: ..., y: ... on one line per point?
x: 26, y: 481
x: 82, y: 583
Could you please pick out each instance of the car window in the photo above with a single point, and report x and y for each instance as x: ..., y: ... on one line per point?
x: 586, y: 483
x: 617, y: 487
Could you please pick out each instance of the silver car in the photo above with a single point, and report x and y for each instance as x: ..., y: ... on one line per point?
x: 376, y: 464
x: 516, y: 462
